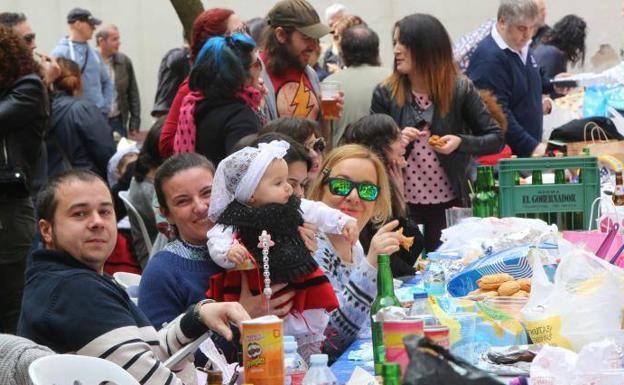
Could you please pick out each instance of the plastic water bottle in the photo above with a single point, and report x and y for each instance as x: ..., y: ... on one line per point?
x: 421, y: 305
x: 319, y: 373
x: 295, y: 367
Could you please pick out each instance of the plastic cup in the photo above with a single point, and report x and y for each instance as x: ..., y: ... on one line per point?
x: 329, y: 100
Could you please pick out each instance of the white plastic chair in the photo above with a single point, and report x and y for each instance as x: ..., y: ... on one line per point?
x: 130, y: 283
x: 123, y: 195
x: 127, y: 279
x: 66, y: 369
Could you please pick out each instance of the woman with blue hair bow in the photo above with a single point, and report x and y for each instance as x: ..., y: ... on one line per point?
x: 224, y: 106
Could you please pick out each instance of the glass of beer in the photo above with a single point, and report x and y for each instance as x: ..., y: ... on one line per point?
x: 329, y: 100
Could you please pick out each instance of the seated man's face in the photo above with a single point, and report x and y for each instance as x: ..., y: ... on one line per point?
x: 84, y: 222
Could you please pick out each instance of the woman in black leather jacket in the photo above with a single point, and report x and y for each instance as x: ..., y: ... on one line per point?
x: 427, y: 97
x: 79, y: 136
x: 23, y: 115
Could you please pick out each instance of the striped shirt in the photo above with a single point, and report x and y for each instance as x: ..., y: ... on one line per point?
x: 72, y: 309
x: 355, y: 285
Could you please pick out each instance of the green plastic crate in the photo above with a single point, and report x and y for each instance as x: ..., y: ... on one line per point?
x: 566, y: 205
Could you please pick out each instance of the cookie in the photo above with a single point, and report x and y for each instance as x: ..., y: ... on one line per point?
x: 493, y: 281
x: 521, y: 293
x: 480, y: 294
x: 525, y: 284
x: 406, y: 242
x: 490, y: 294
x: 509, y: 288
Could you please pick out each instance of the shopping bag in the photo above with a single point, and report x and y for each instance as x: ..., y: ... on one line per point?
x: 431, y: 364
x: 583, y: 304
x: 604, y: 242
x: 595, y: 138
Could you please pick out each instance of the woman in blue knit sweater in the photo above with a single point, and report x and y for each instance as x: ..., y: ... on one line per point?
x: 177, y: 276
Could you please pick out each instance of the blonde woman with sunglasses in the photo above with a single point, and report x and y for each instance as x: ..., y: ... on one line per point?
x: 353, y: 180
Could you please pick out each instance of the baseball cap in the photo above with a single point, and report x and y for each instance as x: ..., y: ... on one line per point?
x: 81, y: 14
x: 298, y: 14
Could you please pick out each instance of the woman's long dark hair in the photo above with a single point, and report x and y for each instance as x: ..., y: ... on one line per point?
x: 378, y: 132
x: 431, y: 52
x: 569, y: 36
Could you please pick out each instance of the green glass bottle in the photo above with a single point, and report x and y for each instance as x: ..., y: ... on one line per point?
x: 516, y: 174
x: 492, y: 190
x: 536, y: 177
x: 385, y: 297
x: 391, y: 374
x: 481, y: 203
x: 564, y: 220
x: 578, y: 216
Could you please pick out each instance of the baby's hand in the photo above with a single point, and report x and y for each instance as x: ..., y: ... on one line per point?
x: 351, y: 231
x: 237, y: 254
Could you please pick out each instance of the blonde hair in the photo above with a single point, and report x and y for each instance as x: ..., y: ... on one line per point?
x: 383, y: 204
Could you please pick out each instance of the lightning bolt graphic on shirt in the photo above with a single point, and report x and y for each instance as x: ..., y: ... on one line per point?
x: 301, y: 101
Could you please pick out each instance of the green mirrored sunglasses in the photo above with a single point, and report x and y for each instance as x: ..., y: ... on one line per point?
x: 342, y: 187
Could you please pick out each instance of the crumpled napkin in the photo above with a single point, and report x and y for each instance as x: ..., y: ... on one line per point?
x: 361, y: 377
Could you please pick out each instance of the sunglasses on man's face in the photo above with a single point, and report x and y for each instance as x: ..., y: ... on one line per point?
x: 342, y: 187
x: 29, y: 38
x: 243, y: 28
x: 318, y: 145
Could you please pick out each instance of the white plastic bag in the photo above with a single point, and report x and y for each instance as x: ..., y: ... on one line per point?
x: 584, y: 303
x: 474, y: 237
x: 598, y: 363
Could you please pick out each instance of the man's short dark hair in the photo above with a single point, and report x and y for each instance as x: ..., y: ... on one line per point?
x: 360, y: 45
x: 47, y: 201
x: 11, y: 19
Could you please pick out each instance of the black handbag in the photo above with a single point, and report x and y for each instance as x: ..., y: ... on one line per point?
x: 431, y: 364
x: 13, y: 183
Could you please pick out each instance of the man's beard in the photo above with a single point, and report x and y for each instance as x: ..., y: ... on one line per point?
x: 284, y: 60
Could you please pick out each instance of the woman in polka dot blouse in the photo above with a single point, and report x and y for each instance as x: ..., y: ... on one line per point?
x: 427, y: 96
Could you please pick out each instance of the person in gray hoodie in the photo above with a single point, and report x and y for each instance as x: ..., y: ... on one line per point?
x: 97, y: 86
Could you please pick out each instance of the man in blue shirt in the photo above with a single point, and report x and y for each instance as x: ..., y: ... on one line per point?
x: 96, y: 84
x: 503, y: 63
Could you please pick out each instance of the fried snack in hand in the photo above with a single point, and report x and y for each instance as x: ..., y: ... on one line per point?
x: 406, y: 242
x: 436, y: 141
x: 493, y: 281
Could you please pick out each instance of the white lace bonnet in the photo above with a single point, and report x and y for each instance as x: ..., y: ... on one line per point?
x: 238, y: 175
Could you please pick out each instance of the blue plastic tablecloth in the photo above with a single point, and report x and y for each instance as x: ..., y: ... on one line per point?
x: 343, y: 368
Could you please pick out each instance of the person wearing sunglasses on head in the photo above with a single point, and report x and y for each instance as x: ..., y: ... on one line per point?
x: 353, y: 180
x: 20, y: 25
x: 305, y: 132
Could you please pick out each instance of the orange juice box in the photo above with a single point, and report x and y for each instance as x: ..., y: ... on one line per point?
x: 263, y: 350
